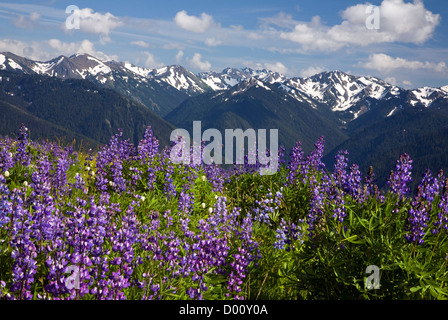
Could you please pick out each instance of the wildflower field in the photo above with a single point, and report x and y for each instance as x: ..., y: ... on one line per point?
x: 128, y: 223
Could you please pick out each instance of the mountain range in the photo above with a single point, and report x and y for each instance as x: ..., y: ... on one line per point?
x: 372, y: 119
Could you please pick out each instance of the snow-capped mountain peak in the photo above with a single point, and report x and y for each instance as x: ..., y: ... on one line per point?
x: 180, y: 78
x: 348, y: 95
x: 339, y: 90
x: 230, y: 77
x: 143, y: 72
x: 426, y: 95
x: 6, y: 62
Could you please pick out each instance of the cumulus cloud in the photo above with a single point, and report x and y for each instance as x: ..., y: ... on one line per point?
x: 179, y: 56
x: 193, y: 23
x: 197, y: 63
x: 385, y: 63
x: 85, y: 46
x: 271, y: 66
x: 398, y: 22
x: 49, y: 49
x: 18, y: 47
x: 310, y: 71
x: 313, y: 35
x: 276, y: 67
x: 95, y: 22
x: 151, y: 61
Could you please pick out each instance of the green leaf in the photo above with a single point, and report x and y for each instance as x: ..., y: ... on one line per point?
x: 415, y: 289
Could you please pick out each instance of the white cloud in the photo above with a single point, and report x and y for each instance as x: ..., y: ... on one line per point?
x: 237, y: 27
x: 18, y: 47
x: 151, y: 61
x: 272, y: 66
x: 179, y: 56
x: 310, y: 71
x: 282, y: 20
x: 385, y: 63
x: 193, y: 23
x: 313, y: 36
x: 197, y: 63
x: 276, y: 67
x: 391, y: 80
x: 407, y: 83
x: 254, y: 36
x: 140, y: 43
x: 85, y: 46
x: 27, y: 22
x: 49, y: 49
x: 212, y: 42
x: 96, y: 23
x: 398, y: 22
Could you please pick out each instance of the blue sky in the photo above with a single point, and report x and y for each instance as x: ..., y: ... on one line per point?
x: 402, y: 42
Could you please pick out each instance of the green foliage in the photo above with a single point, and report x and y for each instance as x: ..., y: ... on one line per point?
x: 329, y: 264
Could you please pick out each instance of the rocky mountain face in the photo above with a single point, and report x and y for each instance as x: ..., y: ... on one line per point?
x: 347, y: 95
x: 357, y: 113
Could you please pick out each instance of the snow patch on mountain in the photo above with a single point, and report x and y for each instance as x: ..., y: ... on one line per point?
x: 344, y: 93
x: 42, y: 67
x: 2, y: 60
x: 143, y: 72
x: 427, y: 95
x: 179, y: 78
x: 14, y: 65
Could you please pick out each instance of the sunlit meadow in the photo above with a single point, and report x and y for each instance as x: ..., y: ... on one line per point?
x: 127, y: 223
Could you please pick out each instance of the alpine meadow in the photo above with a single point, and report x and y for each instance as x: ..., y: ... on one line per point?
x: 206, y: 152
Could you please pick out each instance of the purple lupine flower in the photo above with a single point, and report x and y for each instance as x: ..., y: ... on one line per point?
x: 186, y: 202
x: 24, y: 251
x: 354, y: 184
x: 265, y: 207
x: 281, y: 156
x: 286, y: 233
x: 215, y: 175
x: 371, y: 189
x: 22, y: 157
x: 314, y: 160
x: 59, y: 180
x: 6, y: 156
x: 147, y: 152
x: 148, y: 147
x: 296, y: 159
x: 442, y: 216
x: 441, y: 221
x: 5, y: 205
x: 339, y: 211
x: 317, y: 203
x: 421, y: 206
x: 401, y: 176
x: 110, y: 164
x: 339, y: 174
